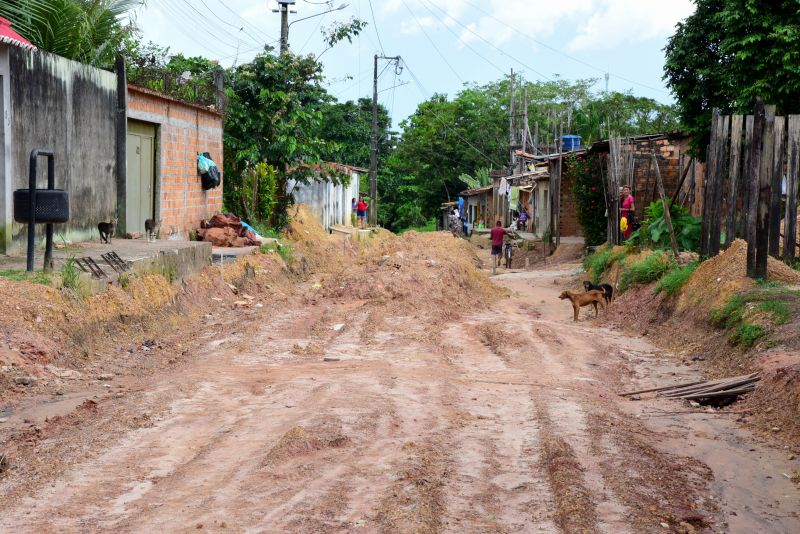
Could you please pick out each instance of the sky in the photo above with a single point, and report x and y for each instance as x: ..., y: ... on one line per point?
x: 444, y: 44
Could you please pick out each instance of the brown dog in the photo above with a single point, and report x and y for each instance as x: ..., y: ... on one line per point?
x: 593, y: 297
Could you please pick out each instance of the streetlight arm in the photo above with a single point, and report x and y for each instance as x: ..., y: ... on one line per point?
x: 319, y: 14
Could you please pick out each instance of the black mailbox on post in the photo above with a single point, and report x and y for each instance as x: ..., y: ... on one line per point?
x: 48, y: 206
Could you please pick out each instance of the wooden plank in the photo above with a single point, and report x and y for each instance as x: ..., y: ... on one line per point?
x: 684, y: 173
x: 753, y: 165
x: 764, y: 191
x: 715, y: 226
x: 667, y: 215
x: 734, y: 178
x: 748, y: 139
x: 775, y: 212
x: 790, y: 221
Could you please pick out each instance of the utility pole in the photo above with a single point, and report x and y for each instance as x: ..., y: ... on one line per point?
x: 283, y: 9
x: 373, y: 152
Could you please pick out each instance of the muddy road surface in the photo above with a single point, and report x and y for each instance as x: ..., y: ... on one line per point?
x: 331, y: 416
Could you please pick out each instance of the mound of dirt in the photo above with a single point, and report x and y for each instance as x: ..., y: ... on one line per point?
x: 776, y: 403
x: 716, y: 279
x: 417, y: 271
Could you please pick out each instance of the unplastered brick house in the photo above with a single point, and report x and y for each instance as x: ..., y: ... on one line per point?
x: 163, y: 138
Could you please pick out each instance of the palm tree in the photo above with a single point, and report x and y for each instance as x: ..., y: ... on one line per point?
x: 89, y: 31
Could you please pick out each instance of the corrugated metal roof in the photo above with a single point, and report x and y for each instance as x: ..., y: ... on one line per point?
x: 476, y: 191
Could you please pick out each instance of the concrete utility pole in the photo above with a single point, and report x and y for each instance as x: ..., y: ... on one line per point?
x: 373, y: 152
x: 285, y: 24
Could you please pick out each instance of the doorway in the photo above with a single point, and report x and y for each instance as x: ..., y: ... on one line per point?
x: 140, y: 176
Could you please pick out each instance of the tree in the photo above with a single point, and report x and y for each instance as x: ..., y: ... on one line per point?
x: 728, y: 53
x: 274, y: 117
x: 348, y: 128
x: 89, y: 31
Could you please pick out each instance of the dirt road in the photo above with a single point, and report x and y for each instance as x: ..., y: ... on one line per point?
x: 340, y: 417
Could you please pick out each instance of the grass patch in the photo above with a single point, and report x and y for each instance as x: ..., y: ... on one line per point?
x: 18, y: 275
x: 746, y: 335
x: 769, y: 304
x: 674, y: 279
x: 599, y: 262
x: 284, y: 251
x: 70, y: 275
x: 429, y: 226
x: 649, y: 269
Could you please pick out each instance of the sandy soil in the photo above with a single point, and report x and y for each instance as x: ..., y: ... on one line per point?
x: 330, y: 415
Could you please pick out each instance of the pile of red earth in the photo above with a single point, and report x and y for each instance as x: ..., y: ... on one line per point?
x: 226, y: 230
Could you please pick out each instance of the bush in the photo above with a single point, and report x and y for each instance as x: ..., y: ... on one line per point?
x: 746, y: 335
x: 590, y: 204
x: 649, y: 269
x: 769, y: 303
x: 654, y: 232
x: 599, y: 262
x: 672, y: 282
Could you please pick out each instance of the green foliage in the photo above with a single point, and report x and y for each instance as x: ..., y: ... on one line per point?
x: 124, y: 280
x: 347, y: 128
x: 746, y: 335
x: 287, y: 253
x: 273, y: 116
x: 779, y: 310
x: 587, y: 189
x: 728, y: 53
x: 654, y: 232
x: 480, y: 179
x: 259, y: 192
x: 730, y: 314
x: 89, y: 31
x: 430, y: 226
x: 674, y: 279
x: 19, y: 275
x: 170, y: 273
x: 339, y: 31
x: 70, y: 276
x: 598, y: 263
x: 649, y: 269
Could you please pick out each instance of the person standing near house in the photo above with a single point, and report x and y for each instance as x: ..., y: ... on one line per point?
x: 353, y: 207
x: 361, y: 212
x: 497, y: 234
x: 627, y: 210
x: 522, y: 222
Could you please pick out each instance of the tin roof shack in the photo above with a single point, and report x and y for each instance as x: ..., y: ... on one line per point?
x: 477, y: 204
x: 445, y: 208
x: 163, y: 138
x: 47, y: 101
x: 330, y: 199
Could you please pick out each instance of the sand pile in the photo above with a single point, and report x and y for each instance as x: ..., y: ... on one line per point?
x: 433, y: 271
x: 315, y: 249
x: 716, y: 279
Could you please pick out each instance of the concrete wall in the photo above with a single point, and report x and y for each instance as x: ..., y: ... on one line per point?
x: 68, y: 107
x: 183, y: 130
x: 330, y: 203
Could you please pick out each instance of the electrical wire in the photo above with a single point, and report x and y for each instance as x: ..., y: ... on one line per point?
x: 248, y: 23
x: 310, y: 35
x: 375, y: 25
x: 503, y: 52
x: 557, y: 51
x: 469, y: 46
x: 431, y: 42
x: 239, y: 28
x: 203, y: 21
x: 179, y: 15
x: 443, y: 123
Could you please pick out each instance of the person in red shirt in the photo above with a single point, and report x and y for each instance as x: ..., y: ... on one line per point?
x: 497, y: 234
x: 361, y: 212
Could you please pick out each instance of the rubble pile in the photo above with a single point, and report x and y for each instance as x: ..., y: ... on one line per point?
x: 226, y: 230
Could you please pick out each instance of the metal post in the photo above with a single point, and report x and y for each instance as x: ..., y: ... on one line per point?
x: 48, y: 247
x: 35, y: 153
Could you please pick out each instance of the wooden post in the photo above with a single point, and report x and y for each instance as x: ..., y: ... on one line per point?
x: 748, y: 139
x: 667, y: 215
x: 685, y: 172
x: 777, y: 180
x: 708, y: 186
x: 753, y: 166
x: 790, y: 220
x: 764, y: 191
x: 715, y: 226
x: 733, y: 178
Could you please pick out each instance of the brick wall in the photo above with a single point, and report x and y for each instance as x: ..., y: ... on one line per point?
x: 183, y: 131
x: 568, y: 221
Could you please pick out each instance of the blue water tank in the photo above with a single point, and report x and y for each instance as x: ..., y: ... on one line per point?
x: 570, y: 142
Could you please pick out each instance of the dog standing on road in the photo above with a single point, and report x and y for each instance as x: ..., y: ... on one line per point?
x: 606, y: 288
x: 593, y: 297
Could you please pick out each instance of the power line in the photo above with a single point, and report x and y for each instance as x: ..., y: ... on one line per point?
x: 310, y: 35
x: 180, y: 15
x: 473, y: 32
x: 431, y: 41
x: 247, y: 23
x: 204, y: 22
x: 375, y: 25
x: 443, y: 123
x: 239, y: 28
x: 557, y: 51
x: 448, y: 28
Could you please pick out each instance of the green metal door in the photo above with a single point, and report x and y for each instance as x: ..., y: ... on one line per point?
x: 140, y: 174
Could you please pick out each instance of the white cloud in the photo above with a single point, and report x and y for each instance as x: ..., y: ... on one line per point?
x: 620, y: 22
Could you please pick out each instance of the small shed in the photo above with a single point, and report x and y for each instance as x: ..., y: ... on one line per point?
x: 477, y: 204
x: 329, y: 200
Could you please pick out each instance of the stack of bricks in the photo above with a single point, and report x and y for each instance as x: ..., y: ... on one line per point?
x: 183, y: 130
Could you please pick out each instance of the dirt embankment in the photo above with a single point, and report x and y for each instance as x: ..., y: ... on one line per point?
x: 706, y: 321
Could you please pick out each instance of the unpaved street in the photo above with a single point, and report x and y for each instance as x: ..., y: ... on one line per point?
x: 503, y: 421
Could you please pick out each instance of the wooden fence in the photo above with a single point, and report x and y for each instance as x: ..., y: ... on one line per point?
x: 749, y: 160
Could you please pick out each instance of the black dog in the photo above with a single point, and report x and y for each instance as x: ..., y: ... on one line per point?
x: 605, y: 288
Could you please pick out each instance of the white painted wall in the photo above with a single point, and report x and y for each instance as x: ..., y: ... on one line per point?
x: 329, y: 202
